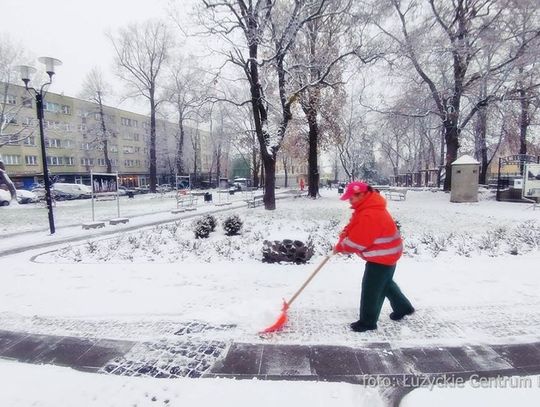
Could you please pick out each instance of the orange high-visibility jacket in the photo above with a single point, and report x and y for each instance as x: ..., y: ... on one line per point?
x: 371, y: 232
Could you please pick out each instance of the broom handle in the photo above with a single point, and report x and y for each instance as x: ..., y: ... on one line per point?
x: 319, y: 267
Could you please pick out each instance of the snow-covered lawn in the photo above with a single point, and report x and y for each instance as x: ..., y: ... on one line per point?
x: 471, y: 270
x: 488, y: 293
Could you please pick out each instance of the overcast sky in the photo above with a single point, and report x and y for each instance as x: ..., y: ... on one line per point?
x: 74, y: 32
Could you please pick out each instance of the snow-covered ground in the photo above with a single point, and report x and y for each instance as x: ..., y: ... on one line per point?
x: 471, y: 270
x: 52, y: 386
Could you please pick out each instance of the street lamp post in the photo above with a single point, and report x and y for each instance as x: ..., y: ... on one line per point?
x: 26, y: 72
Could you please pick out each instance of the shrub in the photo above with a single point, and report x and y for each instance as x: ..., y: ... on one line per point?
x: 201, y: 229
x: 211, y: 221
x: 232, y: 225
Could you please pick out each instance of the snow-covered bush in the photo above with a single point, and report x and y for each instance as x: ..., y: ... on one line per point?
x: 232, y: 225
x: 201, y: 229
x: 211, y: 221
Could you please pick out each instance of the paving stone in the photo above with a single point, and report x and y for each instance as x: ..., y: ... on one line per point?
x: 66, y: 352
x: 30, y: 347
x: 334, y: 360
x: 241, y: 358
x: 386, y: 361
x: 478, y: 358
x: 103, y: 351
x: 8, y: 339
x: 520, y: 355
x: 286, y: 360
x: 432, y: 360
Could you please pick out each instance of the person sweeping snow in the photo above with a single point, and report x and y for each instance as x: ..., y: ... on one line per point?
x: 373, y: 235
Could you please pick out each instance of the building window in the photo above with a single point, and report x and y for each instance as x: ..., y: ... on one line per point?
x: 67, y: 127
x: 11, y: 100
x: 51, y: 107
x: 66, y: 109
x: 101, y: 162
x: 128, y: 149
x: 52, y: 160
x: 113, y: 149
x: 53, y: 143
x: 87, y: 161
x: 28, y: 121
x: 11, y: 159
x: 68, y: 160
x: 81, y: 127
x: 129, y: 122
x: 68, y: 144
x: 51, y: 124
x: 135, y: 137
x: 27, y: 102
x: 9, y: 118
x: 30, y: 141
x: 30, y: 159
x: 85, y: 146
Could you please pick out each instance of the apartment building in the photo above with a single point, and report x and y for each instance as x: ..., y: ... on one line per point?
x: 75, y: 142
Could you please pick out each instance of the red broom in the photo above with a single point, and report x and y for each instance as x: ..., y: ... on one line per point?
x: 282, y: 319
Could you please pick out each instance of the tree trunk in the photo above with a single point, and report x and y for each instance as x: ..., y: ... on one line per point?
x: 480, y: 143
x: 313, y: 165
x: 451, y: 136
x: 255, y: 166
x: 523, y: 121
x: 286, y: 171
x: 153, y: 167
x: 105, y: 139
x: 180, y: 147
x: 269, y: 183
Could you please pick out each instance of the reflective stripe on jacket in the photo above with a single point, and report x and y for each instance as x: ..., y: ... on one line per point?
x: 372, y: 233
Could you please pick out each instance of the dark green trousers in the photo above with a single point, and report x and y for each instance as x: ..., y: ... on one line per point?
x: 377, y: 284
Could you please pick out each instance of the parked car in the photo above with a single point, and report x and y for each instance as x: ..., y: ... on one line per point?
x: 71, y: 191
x: 122, y: 190
x: 240, y: 184
x: 24, y: 196
x: 5, y: 198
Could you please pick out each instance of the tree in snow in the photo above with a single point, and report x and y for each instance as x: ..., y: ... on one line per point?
x: 141, y: 50
x: 95, y: 89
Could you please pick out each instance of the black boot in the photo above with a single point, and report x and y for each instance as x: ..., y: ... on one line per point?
x: 395, y: 316
x: 358, y: 326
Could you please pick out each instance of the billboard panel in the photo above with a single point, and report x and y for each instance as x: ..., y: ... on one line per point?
x: 104, y: 184
x: 531, y: 181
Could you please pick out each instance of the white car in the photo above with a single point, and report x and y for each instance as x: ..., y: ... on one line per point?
x: 5, y: 198
x: 72, y: 191
x: 24, y: 196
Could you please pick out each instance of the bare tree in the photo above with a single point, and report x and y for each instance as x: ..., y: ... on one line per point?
x: 10, y: 55
x: 95, y: 89
x: 266, y: 32
x: 185, y: 93
x: 461, y: 24
x: 141, y: 52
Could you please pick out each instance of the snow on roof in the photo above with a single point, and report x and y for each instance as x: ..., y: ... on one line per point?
x: 465, y: 159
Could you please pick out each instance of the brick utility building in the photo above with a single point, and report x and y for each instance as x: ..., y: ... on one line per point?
x: 75, y: 142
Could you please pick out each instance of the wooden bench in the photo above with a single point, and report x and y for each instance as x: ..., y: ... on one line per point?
x: 395, y: 194
x: 93, y: 225
x: 255, y: 201
x: 117, y: 221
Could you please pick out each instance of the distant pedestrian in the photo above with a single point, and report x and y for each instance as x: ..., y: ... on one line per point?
x: 373, y: 235
x: 302, y: 184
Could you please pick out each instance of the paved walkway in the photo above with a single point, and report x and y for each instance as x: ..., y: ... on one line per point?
x: 397, y: 370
